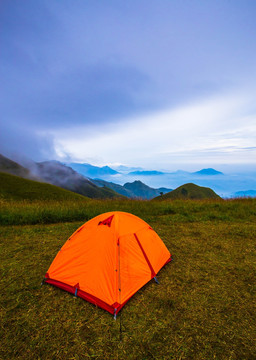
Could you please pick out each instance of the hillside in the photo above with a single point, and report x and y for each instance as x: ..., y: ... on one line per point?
x: 190, y: 191
x: 56, y: 173
x: 11, y: 167
x: 13, y: 187
x: 63, y: 176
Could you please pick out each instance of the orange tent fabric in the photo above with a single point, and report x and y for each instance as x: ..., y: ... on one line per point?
x: 108, y: 259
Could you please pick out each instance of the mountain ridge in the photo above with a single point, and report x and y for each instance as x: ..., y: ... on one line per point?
x: 64, y: 176
x: 92, y: 171
x: 55, y: 173
x: 141, y: 190
x: 227, y: 185
x: 135, y: 189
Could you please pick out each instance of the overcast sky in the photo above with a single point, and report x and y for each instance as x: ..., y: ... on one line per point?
x: 161, y: 84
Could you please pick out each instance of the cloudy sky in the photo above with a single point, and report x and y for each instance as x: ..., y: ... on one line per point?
x: 161, y: 84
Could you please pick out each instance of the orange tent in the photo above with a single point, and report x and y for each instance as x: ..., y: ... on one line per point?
x: 108, y: 259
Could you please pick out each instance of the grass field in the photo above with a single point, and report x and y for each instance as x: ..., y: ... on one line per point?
x: 204, y: 307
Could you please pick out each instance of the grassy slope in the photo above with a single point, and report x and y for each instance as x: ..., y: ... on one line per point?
x: 204, y: 307
x: 11, y: 167
x: 189, y: 191
x: 17, y: 188
x: 56, y: 174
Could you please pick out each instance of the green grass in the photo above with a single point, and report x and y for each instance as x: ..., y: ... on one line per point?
x: 16, y: 188
x: 53, y: 211
x: 204, y: 307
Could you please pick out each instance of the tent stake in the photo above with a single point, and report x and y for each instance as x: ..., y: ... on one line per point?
x: 155, y: 278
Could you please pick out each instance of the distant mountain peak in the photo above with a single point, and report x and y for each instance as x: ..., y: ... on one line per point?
x: 208, y: 171
x: 146, y: 172
x: 245, y: 193
x: 92, y: 171
x: 143, y: 191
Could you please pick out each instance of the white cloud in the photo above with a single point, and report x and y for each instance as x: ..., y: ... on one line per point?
x: 216, y: 130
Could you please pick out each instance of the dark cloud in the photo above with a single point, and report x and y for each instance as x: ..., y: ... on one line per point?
x: 64, y: 64
x: 20, y: 142
x: 43, y: 89
x: 93, y: 94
